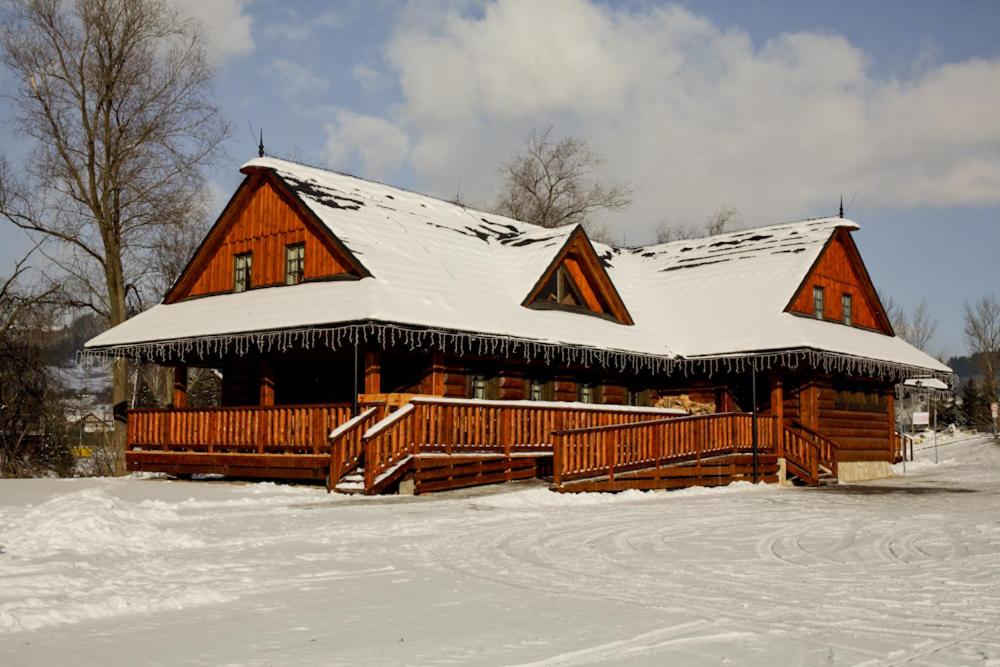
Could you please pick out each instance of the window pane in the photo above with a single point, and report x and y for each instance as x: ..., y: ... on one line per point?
x: 818, y: 302
x: 242, y: 272
x: 848, y: 308
x: 295, y: 256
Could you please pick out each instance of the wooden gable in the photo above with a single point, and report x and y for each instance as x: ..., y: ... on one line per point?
x: 263, y: 217
x: 587, y: 286
x: 839, y: 270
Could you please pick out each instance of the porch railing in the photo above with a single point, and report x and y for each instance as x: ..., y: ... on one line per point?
x: 280, y: 429
x: 467, y: 426
x: 599, y: 451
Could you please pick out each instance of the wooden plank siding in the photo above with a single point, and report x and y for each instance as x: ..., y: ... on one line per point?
x: 263, y: 221
x: 584, y: 266
x: 839, y: 270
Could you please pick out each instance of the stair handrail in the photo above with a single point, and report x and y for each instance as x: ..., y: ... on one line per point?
x: 806, y: 462
x: 386, y: 443
x: 346, y: 446
x: 688, y: 435
x: 829, y: 451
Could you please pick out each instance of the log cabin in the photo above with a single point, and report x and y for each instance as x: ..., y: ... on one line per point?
x: 378, y: 339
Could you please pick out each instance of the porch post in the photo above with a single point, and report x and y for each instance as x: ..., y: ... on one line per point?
x: 354, y: 383
x: 266, y: 382
x: 778, y: 408
x: 373, y: 373
x: 890, y: 405
x: 437, y: 373
x: 809, y: 402
x: 179, y: 399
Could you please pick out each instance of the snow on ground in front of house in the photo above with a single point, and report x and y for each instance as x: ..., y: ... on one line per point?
x: 152, y: 571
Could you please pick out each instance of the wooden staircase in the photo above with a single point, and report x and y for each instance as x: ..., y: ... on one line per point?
x: 440, y: 444
x: 810, y: 457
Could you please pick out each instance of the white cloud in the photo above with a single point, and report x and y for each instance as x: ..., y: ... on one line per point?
x: 297, y: 29
x: 294, y: 78
x: 227, y: 25
x: 373, y: 81
x: 377, y: 144
x: 691, y: 115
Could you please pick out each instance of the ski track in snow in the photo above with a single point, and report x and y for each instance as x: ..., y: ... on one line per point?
x: 905, y: 571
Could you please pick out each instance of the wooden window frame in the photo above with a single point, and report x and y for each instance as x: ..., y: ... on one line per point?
x: 539, y: 389
x: 589, y: 390
x: 847, y: 308
x: 243, y: 274
x: 637, y: 397
x: 297, y: 275
x: 488, y: 385
x: 819, y: 302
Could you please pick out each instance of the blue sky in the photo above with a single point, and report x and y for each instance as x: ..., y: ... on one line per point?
x: 775, y: 108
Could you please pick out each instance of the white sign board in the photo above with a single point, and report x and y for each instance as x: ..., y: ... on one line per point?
x: 995, y: 409
x: 921, y: 419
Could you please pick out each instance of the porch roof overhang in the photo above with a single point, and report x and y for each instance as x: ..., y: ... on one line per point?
x: 163, y: 339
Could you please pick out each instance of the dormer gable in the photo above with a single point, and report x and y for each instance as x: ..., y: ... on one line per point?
x: 264, y: 237
x: 576, y: 280
x: 837, y: 288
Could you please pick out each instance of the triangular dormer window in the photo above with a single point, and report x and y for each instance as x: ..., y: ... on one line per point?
x: 560, y: 289
x: 575, y: 280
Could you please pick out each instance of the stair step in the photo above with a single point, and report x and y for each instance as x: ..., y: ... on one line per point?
x: 350, y: 487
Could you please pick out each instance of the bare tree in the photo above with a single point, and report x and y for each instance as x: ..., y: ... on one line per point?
x: 115, y: 96
x: 723, y: 220
x: 982, y: 335
x: 32, y: 426
x: 551, y: 183
x: 917, y: 326
x: 667, y: 233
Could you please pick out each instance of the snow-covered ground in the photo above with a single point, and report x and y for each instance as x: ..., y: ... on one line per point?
x: 150, y: 571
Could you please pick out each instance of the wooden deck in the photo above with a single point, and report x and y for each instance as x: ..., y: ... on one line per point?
x: 274, y: 442
x: 440, y: 444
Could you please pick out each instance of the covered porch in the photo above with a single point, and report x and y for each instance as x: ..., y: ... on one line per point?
x: 367, y: 418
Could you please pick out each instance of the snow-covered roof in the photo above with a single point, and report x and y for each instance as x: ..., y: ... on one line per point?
x: 444, y: 267
x: 926, y: 383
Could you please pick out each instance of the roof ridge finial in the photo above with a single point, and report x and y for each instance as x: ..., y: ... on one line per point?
x: 260, y: 146
x: 841, y: 214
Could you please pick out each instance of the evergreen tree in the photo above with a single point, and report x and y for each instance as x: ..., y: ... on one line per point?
x: 975, y: 411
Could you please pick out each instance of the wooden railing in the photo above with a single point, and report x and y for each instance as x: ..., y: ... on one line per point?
x: 801, y: 455
x: 466, y: 426
x: 826, y: 449
x: 596, y: 451
x: 281, y: 429
x: 347, y: 445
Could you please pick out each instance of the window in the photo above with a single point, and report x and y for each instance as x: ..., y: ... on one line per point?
x: 538, y: 390
x: 855, y: 400
x: 295, y: 263
x: 845, y: 302
x: 484, y: 386
x: 242, y: 272
x: 561, y: 290
x: 818, y: 302
x: 587, y: 392
x: 636, y: 397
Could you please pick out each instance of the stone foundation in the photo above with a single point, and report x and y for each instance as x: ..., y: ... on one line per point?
x: 860, y: 471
